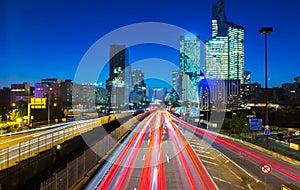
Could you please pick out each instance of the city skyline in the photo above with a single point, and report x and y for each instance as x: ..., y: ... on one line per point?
x: 45, y: 40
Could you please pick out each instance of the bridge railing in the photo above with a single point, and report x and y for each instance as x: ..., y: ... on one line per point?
x: 77, y: 169
x: 12, y: 154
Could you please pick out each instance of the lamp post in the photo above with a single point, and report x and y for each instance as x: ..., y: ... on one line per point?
x: 49, y: 109
x: 265, y: 31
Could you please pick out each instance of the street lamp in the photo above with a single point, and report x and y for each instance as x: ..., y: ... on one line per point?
x: 266, y: 31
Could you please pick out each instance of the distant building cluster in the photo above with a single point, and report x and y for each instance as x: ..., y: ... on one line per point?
x: 223, y: 66
x: 65, y: 95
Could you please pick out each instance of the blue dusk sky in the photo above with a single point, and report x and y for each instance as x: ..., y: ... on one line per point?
x: 49, y: 38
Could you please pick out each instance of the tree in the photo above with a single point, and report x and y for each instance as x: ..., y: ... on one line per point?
x: 240, y: 124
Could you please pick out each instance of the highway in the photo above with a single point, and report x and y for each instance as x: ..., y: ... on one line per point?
x: 164, y: 152
x: 250, y: 159
x: 157, y: 156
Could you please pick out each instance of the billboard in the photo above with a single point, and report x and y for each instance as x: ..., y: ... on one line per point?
x: 255, y: 124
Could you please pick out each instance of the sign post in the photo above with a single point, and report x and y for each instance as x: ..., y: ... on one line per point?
x: 267, y: 132
x: 265, y: 169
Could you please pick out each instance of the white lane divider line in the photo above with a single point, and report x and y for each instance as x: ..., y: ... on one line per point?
x: 208, y: 162
x: 222, y: 180
x: 212, y: 158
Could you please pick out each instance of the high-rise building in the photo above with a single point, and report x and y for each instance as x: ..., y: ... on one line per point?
x: 236, y: 52
x: 118, y: 84
x: 217, y: 58
x: 190, y: 65
x: 190, y: 56
x: 137, y: 77
x: 138, y: 92
x: 225, y: 59
x: 222, y: 31
x: 177, y: 82
x: 219, y: 19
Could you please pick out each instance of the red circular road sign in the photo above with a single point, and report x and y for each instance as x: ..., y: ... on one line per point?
x: 265, y: 169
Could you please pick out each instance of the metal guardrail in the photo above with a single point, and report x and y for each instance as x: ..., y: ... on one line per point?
x: 80, y: 167
x: 33, y: 144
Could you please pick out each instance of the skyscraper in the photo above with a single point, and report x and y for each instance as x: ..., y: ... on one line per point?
x: 219, y: 19
x: 236, y: 52
x: 190, y: 65
x: 118, y: 82
x: 225, y: 59
x: 177, y: 82
x: 138, y: 90
x: 217, y: 58
x: 234, y: 33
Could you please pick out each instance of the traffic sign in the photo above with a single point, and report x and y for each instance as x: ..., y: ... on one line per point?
x: 38, y: 103
x: 267, y: 131
x: 265, y: 169
x: 255, y: 124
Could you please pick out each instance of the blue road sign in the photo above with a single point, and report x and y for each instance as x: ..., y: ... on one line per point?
x: 267, y: 131
x: 255, y: 124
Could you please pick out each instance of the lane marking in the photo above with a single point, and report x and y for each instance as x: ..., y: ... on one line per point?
x: 208, y: 162
x: 226, y: 166
x: 212, y: 158
x: 222, y: 180
x: 239, y: 167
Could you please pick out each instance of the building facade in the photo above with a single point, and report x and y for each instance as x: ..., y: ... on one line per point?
x: 216, y: 50
x: 19, y: 92
x: 225, y: 33
x: 138, y: 90
x: 224, y: 93
x: 118, y: 84
x: 190, y: 47
x: 157, y: 94
x: 225, y: 60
